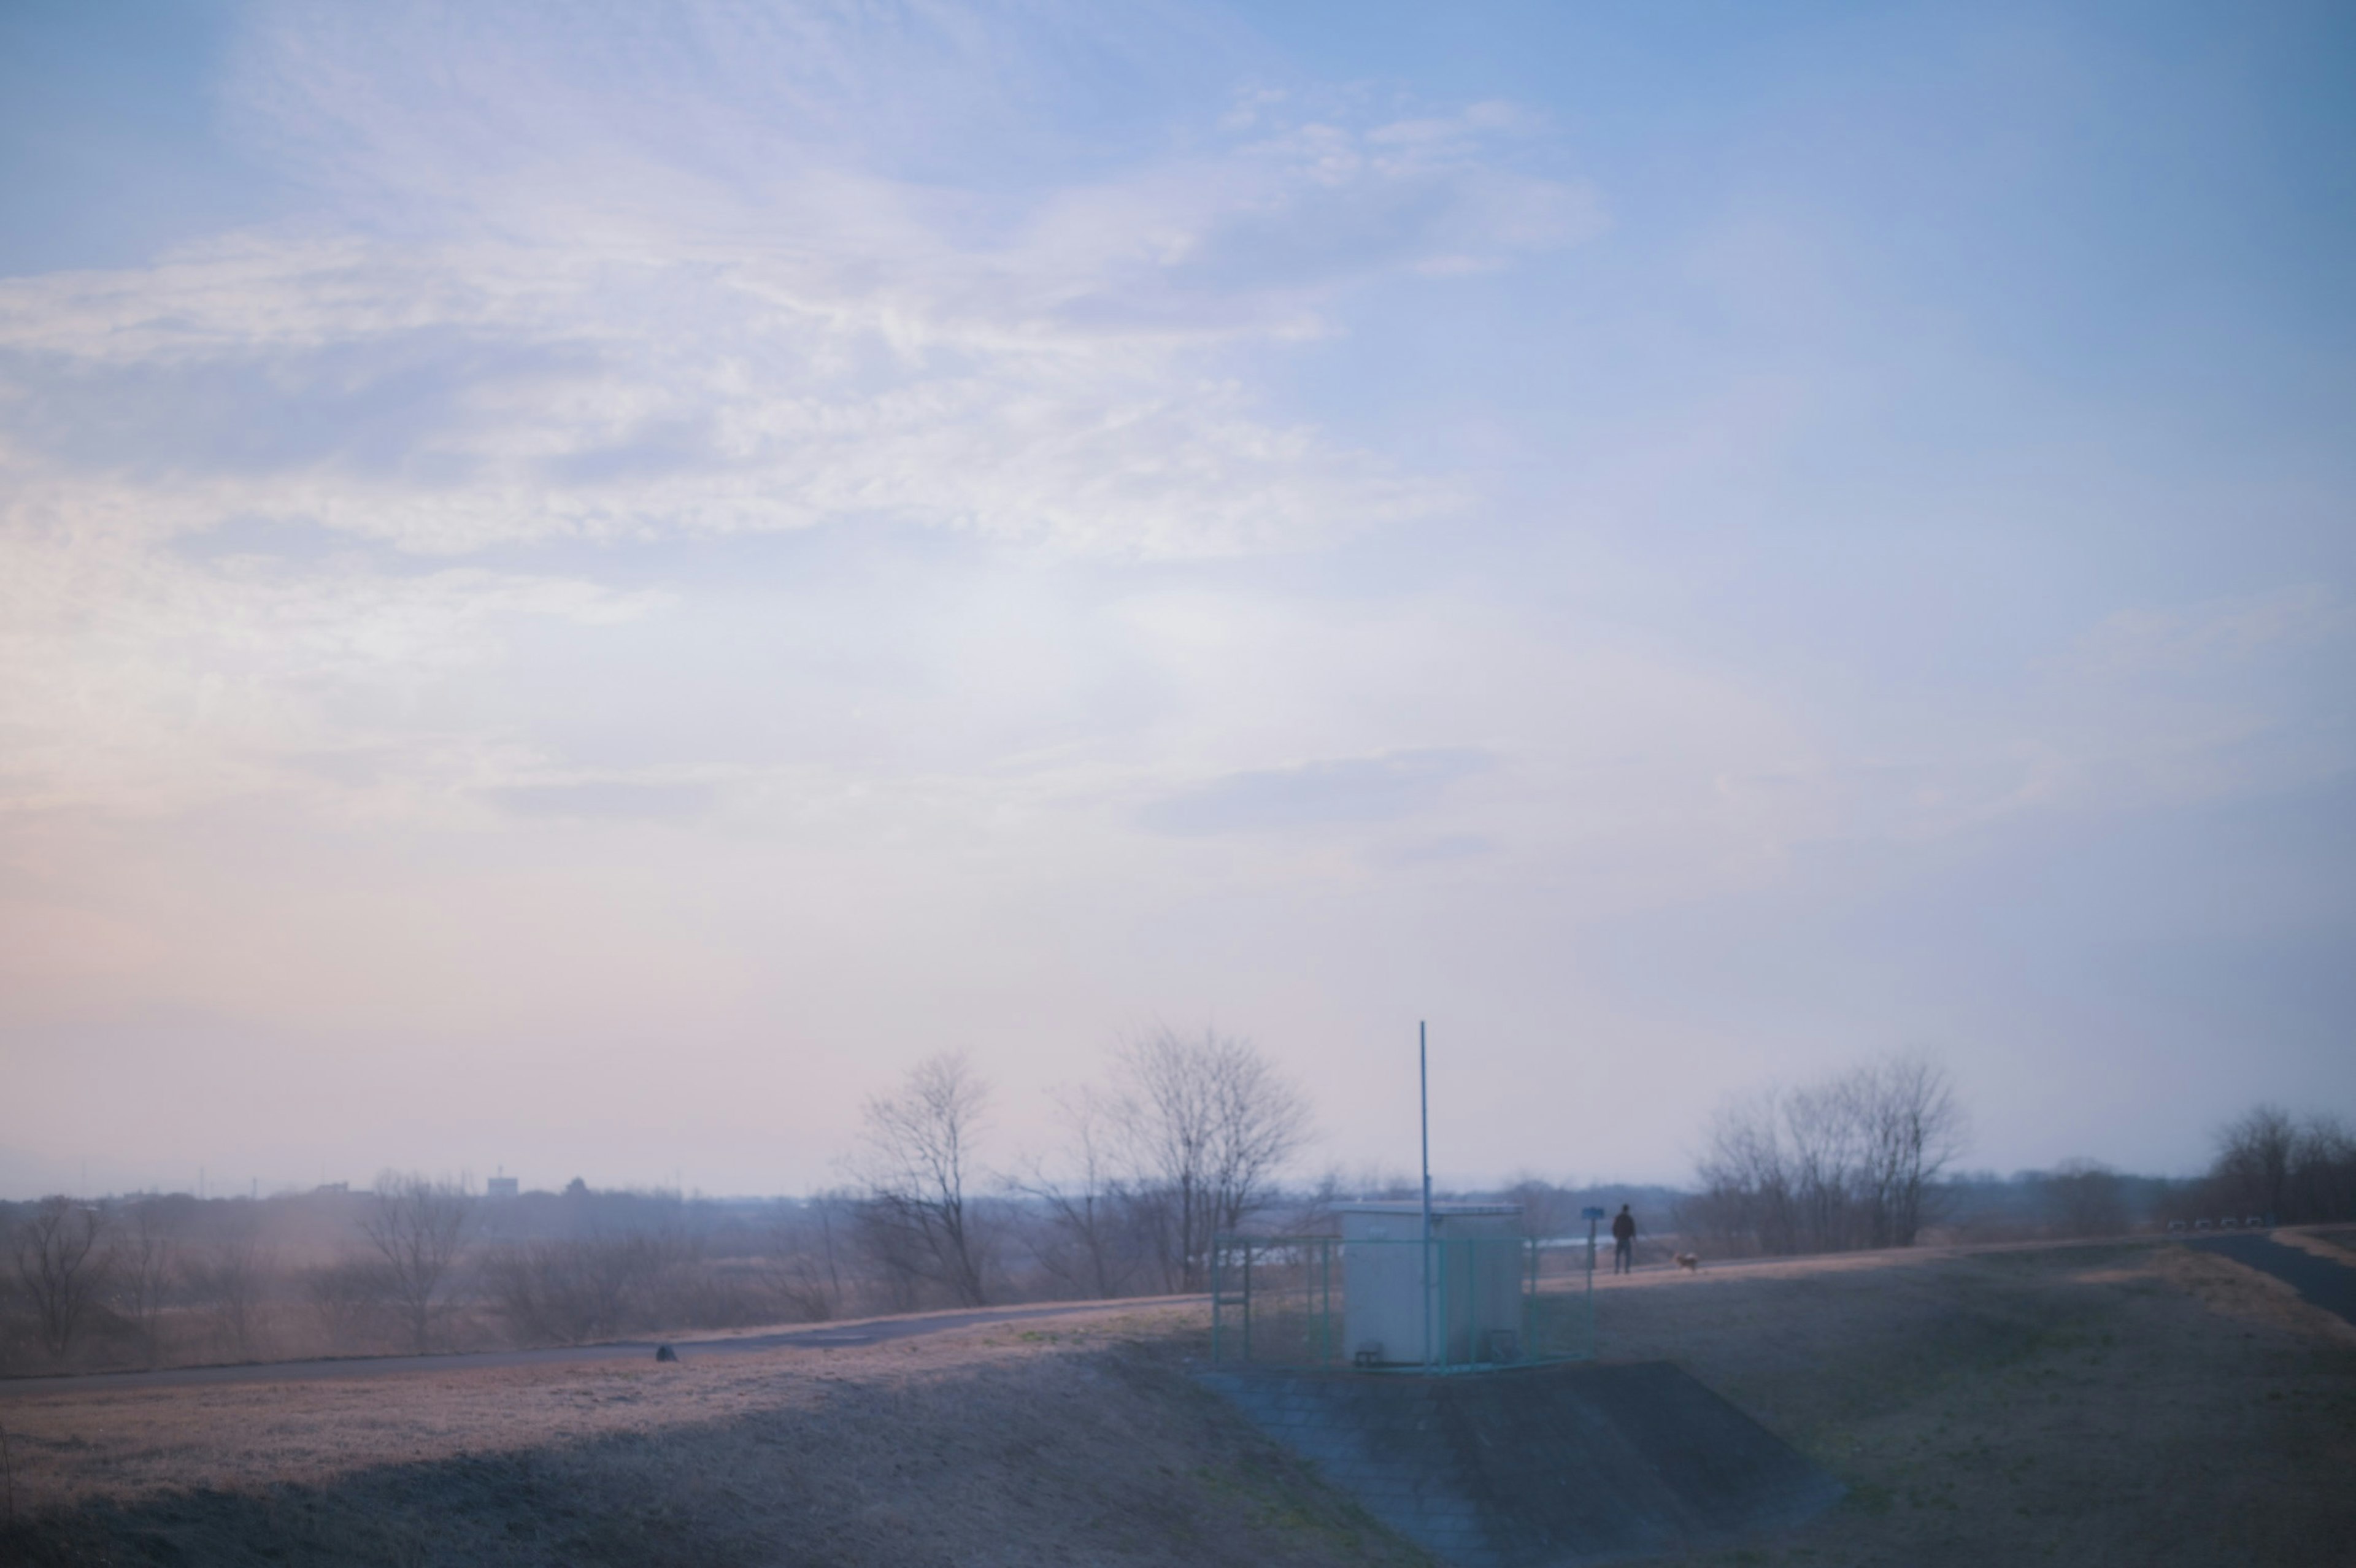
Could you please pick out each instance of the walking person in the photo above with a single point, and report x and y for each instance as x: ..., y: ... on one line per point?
x: 1623, y: 1242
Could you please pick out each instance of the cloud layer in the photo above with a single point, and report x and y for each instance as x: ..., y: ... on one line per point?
x: 779, y: 538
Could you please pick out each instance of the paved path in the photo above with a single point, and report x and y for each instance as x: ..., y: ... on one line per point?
x: 818, y: 1337
x: 2330, y: 1286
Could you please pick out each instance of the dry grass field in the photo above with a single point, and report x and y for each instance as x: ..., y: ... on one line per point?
x: 2086, y: 1405
x: 2100, y: 1405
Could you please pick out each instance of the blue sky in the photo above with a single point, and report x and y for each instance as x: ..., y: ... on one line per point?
x: 581, y: 587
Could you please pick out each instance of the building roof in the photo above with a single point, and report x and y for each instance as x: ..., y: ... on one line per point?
x: 1414, y: 1206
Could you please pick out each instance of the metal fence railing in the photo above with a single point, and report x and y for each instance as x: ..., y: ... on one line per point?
x: 1448, y: 1304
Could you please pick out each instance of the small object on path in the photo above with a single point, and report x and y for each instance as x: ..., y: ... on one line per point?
x: 1689, y: 1261
x: 665, y: 1353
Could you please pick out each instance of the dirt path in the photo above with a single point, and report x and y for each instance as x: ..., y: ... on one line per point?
x: 818, y: 1337
x: 2331, y: 1286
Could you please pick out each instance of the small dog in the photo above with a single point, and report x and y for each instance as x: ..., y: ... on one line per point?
x: 1689, y: 1261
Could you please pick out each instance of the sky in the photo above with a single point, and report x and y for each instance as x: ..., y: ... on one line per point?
x: 581, y: 586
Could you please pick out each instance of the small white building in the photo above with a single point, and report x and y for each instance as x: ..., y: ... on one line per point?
x: 1455, y: 1303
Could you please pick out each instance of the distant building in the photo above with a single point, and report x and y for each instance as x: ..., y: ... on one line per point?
x: 499, y: 1187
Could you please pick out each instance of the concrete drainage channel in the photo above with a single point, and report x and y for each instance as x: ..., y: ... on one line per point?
x: 1543, y: 1467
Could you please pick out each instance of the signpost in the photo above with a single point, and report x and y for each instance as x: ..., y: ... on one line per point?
x: 1590, y: 1214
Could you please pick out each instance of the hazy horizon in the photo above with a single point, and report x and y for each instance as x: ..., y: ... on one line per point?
x: 580, y: 588
x: 1380, y: 1183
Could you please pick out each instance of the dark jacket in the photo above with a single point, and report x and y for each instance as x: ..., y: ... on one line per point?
x: 1623, y: 1227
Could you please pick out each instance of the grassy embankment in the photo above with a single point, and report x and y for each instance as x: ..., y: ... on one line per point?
x: 2130, y: 1404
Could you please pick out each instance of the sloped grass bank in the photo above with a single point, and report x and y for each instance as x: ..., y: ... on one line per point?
x: 2124, y: 1405
x: 2106, y: 1404
x: 1110, y: 1456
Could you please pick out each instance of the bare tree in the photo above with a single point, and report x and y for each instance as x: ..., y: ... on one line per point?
x: 2084, y: 1198
x: 916, y: 1165
x: 2253, y: 1159
x: 144, y: 1256
x: 1548, y: 1210
x: 1849, y: 1161
x: 574, y: 1289
x: 1090, y: 1240
x: 1824, y: 1128
x: 53, y: 1248
x: 1747, y: 1200
x: 2323, y: 1171
x: 900, y: 1266
x: 2270, y: 1163
x: 230, y: 1279
x: 1208, y: 1126
x: 807, y: 1242
x: 1910, y: 1129
x: 418, y: 1226
x: 347, y: 1300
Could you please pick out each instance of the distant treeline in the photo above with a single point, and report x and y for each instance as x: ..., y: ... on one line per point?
x: 1863, y: 1159
x: 172, y: 1280
x: 1851, y: 1161
x: 1187, y: 1139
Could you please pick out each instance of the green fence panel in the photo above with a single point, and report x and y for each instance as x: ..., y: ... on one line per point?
x: 1461, y: 1304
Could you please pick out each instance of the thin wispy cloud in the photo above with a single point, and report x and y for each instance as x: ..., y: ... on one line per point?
x: 1355, y: 790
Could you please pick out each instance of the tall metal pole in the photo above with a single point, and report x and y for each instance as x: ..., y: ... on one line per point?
x: 1423, y: 1084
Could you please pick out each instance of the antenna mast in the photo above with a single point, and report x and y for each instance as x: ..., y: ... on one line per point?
x: 1423, y: 1083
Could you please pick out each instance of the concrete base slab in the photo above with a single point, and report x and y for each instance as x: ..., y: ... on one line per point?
x: 1540, y: 1467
